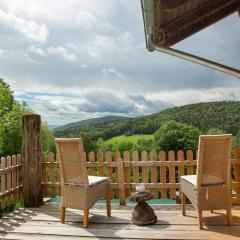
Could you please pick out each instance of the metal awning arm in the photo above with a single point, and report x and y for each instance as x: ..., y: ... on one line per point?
x: 148, y: 20
x: 192, y: 58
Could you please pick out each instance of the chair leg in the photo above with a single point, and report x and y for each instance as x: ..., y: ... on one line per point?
x: 108, y: 204
x: 200, y: 220
x: 85, y: 218
x: 62, y: 214
x: 229, y: 216
x: 183, y: 203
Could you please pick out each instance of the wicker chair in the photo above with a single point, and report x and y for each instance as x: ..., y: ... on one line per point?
x: 210, y: 188
x: 79, y: 190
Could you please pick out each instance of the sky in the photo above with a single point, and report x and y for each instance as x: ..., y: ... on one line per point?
x: 77, y: 59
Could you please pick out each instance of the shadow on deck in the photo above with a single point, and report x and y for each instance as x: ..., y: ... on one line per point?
x: 43, y: 223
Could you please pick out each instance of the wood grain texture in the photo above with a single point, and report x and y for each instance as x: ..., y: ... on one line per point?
x: 163, y: 177
x: 144, y: 157
x: 100, y: 159
x: 91, y: 158
x: 3, y: 182
x: 135, y: 158
x: 52, y: 174
x: 172, y: 179
x: 127, y: 179
x: 180, y: 157
x: 190, y: 170
x: 31, y: 155
x: 153, y: 157
x: 237, y: 173
x: 120, y: 175
x: 44, y: 223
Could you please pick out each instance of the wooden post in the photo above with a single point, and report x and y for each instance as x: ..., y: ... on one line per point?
x: 153, y: 157
x: 127, y: 173
x: 31, y: 160
x: 120, y: 179
x: 171, y: 158
x: 163, y: 174
x: 237, y: 174
x: 135, y: 169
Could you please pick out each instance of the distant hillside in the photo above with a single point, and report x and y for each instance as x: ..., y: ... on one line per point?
x: 224, y: 115
x: 76, y: 126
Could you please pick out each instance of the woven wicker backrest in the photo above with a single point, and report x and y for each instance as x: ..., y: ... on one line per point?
x: 214, y: 155
x: 72, y: 162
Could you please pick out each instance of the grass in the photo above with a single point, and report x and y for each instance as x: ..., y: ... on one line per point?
x: 133, y: 138
x: 12, y: 207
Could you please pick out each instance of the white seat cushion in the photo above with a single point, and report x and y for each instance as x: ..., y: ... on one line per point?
x: 207, y: 179
x: 93, y: 180
x: 190, y: 178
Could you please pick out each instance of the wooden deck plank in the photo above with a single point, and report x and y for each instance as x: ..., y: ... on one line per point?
x: 43, y: 223
x: 213, y: 233
x: 161, y: 225
x: 26, y: 236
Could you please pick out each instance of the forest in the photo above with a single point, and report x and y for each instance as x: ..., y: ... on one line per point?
x: 173, y: 123
x: 11, y: 112
x: 176, y: 128
x: 224, y: 115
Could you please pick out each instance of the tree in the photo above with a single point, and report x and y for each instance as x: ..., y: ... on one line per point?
x: 122, y: 146
x: 10, y: 130
x: 47, y: 138
x: 6, y: 98
x: 87, y: 142
x: 215, y: 131
x: 236, y: 140
x: 11, y: 113
x: 100, y: 145
x: 176, y: 136
x: 145, y: 145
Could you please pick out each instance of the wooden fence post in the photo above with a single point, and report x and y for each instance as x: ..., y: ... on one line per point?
x: 31, y: 160
x: 120, y: 180
x: 237, y: 174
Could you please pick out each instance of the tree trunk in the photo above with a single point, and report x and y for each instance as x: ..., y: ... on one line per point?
x: 31, y: 160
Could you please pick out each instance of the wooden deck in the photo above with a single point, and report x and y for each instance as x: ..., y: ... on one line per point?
x: 43, y: 223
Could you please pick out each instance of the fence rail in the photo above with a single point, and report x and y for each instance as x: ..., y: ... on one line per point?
x: 160, y: 172
x: 10, y: 177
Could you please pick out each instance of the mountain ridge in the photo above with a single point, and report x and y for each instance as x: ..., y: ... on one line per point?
x: 224, y: 115
x: 87, y: 122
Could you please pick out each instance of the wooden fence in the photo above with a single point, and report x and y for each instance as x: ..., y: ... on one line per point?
x: 159, y: 171
x: 10, y: 180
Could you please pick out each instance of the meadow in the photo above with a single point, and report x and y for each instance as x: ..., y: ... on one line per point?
x: 133, y: 138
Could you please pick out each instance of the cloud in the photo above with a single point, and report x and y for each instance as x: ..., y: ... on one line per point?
x: 28, y: 28
x: 38, y: 50
x: 91, y: 47
x: 62, y: 52
x: 61, y: 108
x: 84, y: 65
x: 147, y: 106
x: 111, y: 72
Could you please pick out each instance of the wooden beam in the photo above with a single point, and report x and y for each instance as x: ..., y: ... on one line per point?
x: 31, y: 161
x: 177, y: 24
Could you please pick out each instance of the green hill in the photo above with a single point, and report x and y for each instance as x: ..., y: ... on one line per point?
x: 224, y: 115
x: 87, y: 123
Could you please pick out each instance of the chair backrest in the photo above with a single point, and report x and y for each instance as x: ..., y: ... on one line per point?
x: 72, y: 161
x: 214, y: 153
